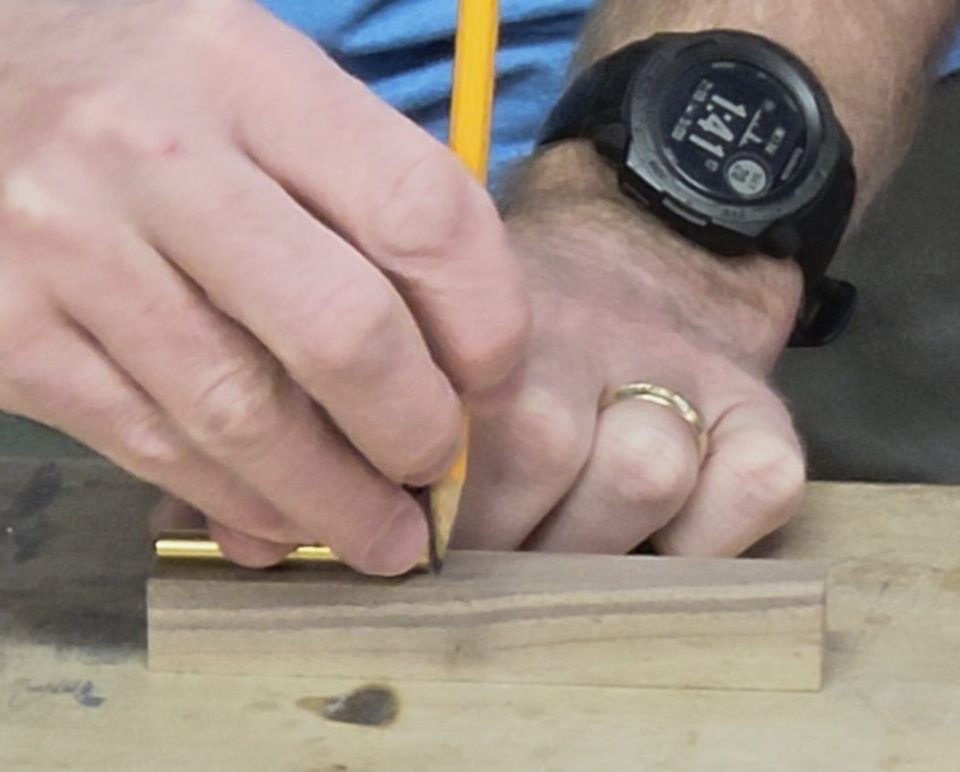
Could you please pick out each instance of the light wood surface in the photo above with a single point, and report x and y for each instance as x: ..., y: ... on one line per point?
x: 575, y: 620
x: 75, y: 693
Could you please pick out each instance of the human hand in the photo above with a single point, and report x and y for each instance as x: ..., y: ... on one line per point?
x: 618, y: 299
x: 232, y: 270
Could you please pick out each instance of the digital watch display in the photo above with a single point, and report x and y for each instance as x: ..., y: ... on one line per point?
x: 733, y: 131
x: 730, y: 138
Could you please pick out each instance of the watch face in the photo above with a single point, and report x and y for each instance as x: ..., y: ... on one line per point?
x: 733, y: 131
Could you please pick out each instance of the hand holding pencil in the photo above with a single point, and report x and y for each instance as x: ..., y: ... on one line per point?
x: 470, y: 129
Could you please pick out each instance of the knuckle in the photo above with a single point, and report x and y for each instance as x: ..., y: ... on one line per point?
x: 148, y: 447
x: 426, y: 206
x: 647, y: 468
x: 488, y: 360
x: 550, y: 447
x: 351, y: 332
x: 26, y: 201
x: 772, y: 475
x: 118, y: 119
x: 237, y: 410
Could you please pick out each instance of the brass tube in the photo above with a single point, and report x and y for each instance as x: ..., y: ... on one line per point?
x: 197, y: 545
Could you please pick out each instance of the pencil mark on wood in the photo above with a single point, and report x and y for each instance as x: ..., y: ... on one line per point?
x: 83, y: 692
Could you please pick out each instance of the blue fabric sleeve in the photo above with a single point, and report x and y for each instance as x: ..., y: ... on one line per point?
x: 952, y: 63
x: 403, y: 50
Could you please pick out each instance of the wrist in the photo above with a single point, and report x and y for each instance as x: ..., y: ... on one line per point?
x: 744, y: 306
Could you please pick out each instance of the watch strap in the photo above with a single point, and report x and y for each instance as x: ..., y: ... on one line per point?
x: 828, y: 304
x: 593, y: 106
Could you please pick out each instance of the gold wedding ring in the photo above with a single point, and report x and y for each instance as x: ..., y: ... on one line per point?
x: 661, y: 395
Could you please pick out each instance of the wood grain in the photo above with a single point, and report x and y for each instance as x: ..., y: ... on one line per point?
x: 502, y: 618
x: 72, y: 626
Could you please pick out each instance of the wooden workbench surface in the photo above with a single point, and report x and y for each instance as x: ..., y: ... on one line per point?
x: 74, y: 692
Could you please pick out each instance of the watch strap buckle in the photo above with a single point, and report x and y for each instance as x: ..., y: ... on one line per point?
x: 825, y: 314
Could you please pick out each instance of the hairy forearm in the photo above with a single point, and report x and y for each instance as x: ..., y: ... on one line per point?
x: 875, y: 58
x: 875, y: 61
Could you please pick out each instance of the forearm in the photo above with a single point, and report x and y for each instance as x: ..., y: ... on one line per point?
x: 875, y: 59
x: 874, y: 63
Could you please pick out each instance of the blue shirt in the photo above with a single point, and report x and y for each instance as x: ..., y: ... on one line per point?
x: 403, y: 50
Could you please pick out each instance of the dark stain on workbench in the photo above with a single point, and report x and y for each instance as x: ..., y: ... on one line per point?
x: 72, y: 559
x: 25, y: 524
x: 367, y: 706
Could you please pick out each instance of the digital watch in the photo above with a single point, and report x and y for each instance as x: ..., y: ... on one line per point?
x: 731, y: 140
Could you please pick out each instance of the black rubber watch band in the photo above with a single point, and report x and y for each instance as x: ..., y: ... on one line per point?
x: 593, y: 107
x: 828, y: 304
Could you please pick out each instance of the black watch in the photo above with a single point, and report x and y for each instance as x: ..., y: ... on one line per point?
x: 730, y: 139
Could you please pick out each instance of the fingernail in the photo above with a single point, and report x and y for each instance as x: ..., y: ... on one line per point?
x: 400, y: 543
x: 437, y: 473
x: 453, y: 443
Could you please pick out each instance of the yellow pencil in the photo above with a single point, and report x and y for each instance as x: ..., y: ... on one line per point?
x: 474, y: 76
x: 471, y: 110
